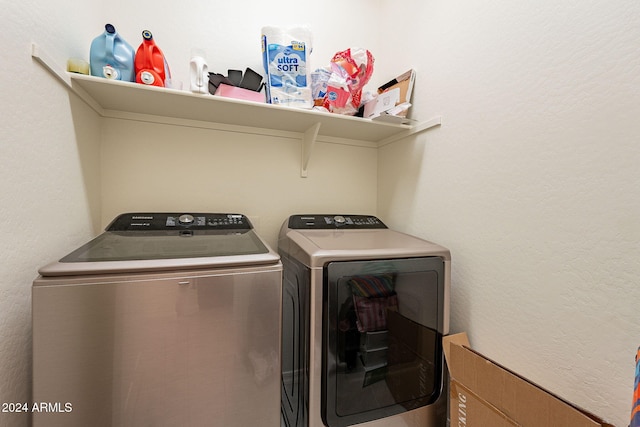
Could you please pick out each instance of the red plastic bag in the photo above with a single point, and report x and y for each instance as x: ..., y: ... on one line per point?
x: 351, y: 70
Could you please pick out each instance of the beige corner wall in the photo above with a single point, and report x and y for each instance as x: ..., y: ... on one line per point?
x: 50, y: 192
x: 532, y: 182
x: 151, y: 167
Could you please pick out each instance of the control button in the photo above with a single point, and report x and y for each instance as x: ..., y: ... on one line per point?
x: 186, y: 219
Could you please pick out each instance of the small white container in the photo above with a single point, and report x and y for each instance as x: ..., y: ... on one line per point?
x: 198, y: 72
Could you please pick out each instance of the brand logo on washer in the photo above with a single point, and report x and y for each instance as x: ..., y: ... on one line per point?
x: 142, y: 217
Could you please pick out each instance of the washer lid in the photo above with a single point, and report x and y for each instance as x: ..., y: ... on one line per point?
x: 141, y: 241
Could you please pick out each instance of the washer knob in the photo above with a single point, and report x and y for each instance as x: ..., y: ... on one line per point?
x: 339, y: 220
x: 186, y: 219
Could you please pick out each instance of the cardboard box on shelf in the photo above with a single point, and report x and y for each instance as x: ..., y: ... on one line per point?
x: 484, y: 393
x: 381, y: 103
x: 404, y: 83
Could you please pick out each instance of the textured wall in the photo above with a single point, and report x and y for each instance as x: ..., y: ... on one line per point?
x: 532, y: 182
x: 216, y: 171
x: 49, y: 197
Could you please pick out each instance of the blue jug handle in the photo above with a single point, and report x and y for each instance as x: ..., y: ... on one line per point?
x: 110, y: 41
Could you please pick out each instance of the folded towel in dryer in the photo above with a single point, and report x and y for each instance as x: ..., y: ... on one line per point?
x: 371, y: 313
x: 373, y: 285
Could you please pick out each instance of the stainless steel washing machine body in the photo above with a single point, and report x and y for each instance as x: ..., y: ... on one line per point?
x: 162, y: 320
x: 364, y: 312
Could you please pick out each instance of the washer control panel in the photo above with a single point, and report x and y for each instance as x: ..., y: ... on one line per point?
x: 173, y: 221
x: 333, y: 221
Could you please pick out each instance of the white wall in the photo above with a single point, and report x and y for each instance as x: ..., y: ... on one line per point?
x: 230, y: 35
x: 212, y: 170
x: 150, y: 167
x: 532, y: 182
x: 49, y: 169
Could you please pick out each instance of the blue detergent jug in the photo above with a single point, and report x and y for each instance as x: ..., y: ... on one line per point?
x: 111, y: 56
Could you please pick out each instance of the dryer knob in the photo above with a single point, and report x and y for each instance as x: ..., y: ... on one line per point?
x: 339, y: 220
x: 186, y: 219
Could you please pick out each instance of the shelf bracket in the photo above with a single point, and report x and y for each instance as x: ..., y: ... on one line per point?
x: 58, y: 72
x: 49, y: 64
x: 308, y: 141
x: 420, y: 127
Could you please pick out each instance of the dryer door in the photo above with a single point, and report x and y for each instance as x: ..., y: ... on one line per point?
x: 382, y: 338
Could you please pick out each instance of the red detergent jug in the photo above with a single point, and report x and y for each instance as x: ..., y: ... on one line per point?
x: 150, y: 64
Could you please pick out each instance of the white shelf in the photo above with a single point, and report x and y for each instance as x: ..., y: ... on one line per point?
x: 117, y: 99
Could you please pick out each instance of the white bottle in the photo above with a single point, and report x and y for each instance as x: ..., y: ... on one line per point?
x: 198, y: 72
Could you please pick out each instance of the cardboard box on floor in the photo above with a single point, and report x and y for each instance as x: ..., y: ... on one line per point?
x: 485, y: 394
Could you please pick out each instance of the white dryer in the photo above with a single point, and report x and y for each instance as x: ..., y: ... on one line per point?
x: 364, y: 312
x: 162, y: 320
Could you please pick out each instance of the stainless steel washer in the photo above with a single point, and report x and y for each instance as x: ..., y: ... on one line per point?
x: 162, y: 320
x: 364, y: 312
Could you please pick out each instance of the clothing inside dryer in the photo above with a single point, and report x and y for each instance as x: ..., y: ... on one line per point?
x: 380, y: 351
x: 387, y: 351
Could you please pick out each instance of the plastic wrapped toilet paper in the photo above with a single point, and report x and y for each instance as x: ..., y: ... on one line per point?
x: 285, y: 54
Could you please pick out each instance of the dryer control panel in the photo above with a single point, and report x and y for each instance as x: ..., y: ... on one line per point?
x: 333, y: 221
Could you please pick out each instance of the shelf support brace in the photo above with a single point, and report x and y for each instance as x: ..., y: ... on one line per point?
x: 308, y: 141
x: 420, y: 127
x: 47, y: 62
x: 50, y: 65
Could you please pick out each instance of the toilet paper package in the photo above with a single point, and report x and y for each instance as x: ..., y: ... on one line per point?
x: 285, y: 54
